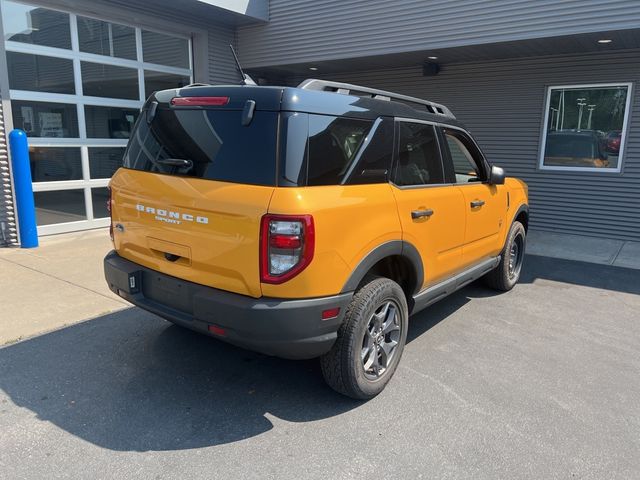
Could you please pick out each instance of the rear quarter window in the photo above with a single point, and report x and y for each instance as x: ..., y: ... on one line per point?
x: 329, y: 150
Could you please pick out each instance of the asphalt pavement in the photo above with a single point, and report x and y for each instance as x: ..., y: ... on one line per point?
x: 541, y: 382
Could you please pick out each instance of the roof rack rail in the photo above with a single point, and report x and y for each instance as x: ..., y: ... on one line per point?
x: 197, y: 84
x: 346, y: 88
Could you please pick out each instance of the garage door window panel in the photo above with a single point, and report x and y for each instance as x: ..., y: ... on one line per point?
x: 76, y: 87
x: 35, y: 25
x: 45, y: 119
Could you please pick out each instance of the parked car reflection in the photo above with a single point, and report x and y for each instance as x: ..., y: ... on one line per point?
x: 575, y: 148
x: 612, y: 142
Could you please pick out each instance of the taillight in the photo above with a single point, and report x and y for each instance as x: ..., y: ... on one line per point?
x: 110, y: 214
x: 286, y: 246
x: 199, y: 101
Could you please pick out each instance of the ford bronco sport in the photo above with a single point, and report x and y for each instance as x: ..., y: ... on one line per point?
x: 308, y: 222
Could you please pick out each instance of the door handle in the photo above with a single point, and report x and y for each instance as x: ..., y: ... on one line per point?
x: 421, y: 213
x: 477, y: 203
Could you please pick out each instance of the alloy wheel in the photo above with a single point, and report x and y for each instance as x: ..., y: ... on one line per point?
x: 380, y: 341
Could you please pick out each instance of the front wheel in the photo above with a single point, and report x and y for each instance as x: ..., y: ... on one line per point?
x: 370, y: 341
x: 505, y: 276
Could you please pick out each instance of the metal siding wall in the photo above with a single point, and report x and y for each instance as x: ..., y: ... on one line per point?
x: 222, y: 67
x: 7, y: 214
x: 502, y: 103
x: 310, y: 30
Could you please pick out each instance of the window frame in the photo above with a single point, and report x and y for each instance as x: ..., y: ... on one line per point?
x: 624, y: 129
x: 396, y: 152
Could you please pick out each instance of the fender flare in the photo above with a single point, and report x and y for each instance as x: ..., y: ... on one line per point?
x: 523, y: 208
x: 394, y: 247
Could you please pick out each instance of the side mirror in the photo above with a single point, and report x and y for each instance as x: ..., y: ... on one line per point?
x: 496, y: 177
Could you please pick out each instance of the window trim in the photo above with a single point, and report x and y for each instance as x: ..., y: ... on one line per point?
x: 396, y: 147
x: 624, y: 129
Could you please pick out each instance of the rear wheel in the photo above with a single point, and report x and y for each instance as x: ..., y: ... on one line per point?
x: 370, y: 341
x: 505, y: 276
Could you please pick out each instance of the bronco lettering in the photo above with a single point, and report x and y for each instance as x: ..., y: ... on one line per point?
x: 168, y: 216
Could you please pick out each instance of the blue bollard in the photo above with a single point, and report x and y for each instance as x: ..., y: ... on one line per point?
x: 23, y: 189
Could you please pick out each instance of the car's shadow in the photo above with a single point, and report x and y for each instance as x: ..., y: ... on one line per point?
x: 131, y: 381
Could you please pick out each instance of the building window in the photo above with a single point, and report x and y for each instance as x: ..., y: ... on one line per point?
x: 76, y: 87
x: 585, y: 127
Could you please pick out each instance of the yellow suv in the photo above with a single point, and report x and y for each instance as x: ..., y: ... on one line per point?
x: 308, y: 222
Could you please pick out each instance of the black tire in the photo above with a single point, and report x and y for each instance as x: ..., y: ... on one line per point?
x: 367, y: 336
x: 505, y: 276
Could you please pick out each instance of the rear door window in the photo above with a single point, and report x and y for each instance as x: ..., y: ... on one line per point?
x: 208, y: 144
x: 418, y: 161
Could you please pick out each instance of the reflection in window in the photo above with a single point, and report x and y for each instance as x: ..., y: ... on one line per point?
x: 104, y: 38
x: 104, y: 161
x: 55, y: 164
x: 463, y: 164
x: 213, y: 141
x: 39, y: 73
x: 35, y: 25
x: 165, y: 50
x: 100, y: 80
x: 99, y: 199
x: 45, y: 119
x: 585, y: 126
x: 59, y: 206
x: 109, y: 122
x: 154, y: 81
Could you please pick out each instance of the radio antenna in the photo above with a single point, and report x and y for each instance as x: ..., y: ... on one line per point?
x: 246, y: 79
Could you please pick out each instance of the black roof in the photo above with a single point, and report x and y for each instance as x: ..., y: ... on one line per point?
x: 308, y: 101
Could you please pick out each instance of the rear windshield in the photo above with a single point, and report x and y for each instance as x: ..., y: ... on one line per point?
x: 209, y: 144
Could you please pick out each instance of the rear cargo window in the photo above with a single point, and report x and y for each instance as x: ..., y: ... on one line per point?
x: 207, y: 144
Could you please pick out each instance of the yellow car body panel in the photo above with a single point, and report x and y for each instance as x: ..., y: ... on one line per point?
x: 439, y: 237
x: 350, y: 221
x: 486, y: 207
x: 156, y: 214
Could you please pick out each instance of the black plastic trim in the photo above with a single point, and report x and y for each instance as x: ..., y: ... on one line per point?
x: 287, y: 328
x: 394, y: 247
x: 523, y: 208
x: 445, y: 288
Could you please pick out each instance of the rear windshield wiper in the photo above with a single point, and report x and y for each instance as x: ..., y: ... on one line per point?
x: 176, y: 162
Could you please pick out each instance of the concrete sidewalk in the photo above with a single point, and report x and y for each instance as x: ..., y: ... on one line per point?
x: 618, y: 253
x: 57, y: 284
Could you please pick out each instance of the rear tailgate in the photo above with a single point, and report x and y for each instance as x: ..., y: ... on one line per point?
x: 202, y: 231
x: 196, y: 182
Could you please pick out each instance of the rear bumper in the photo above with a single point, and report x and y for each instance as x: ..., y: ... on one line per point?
x: 280, y: 327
